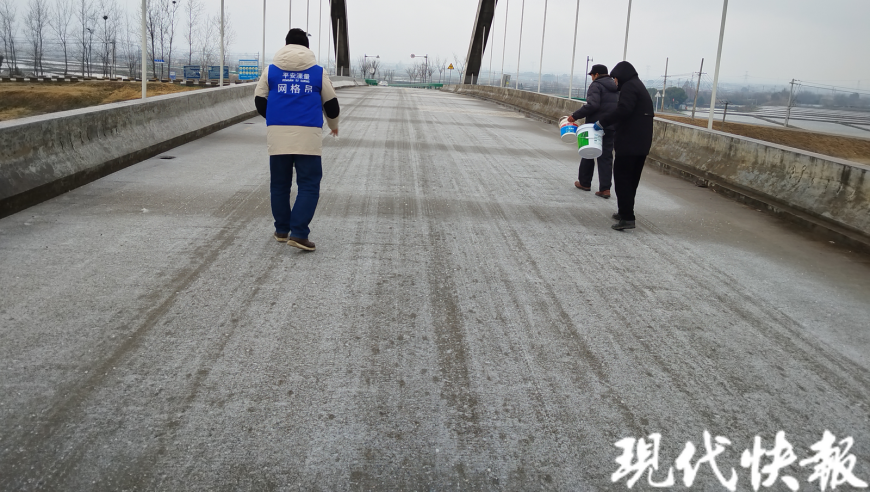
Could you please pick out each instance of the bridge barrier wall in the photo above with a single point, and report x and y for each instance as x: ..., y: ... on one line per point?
x: 45, y: 156
x: 340, y: 82
x: 828, y: 194
x: 541, y: 106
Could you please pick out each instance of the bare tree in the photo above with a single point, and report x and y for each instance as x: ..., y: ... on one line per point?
x: 229, y: 34
x: 368, y: 66
x: 84, y: 12
x: 152, y: 28
x: 36, y: 22
x: 7, y: 30
x: 412, y: 72
x: 171, y: 21
x: 229, y: 38
x: 107, y: 12
x: 459, y: 64
x: 440, y: 65
x: 131, y: 52
x: 161, y: 24
x: 60, y: 19
x: 362, y: 65
x: 429, y: 70
x: 210, y: 41
x: 374, y: 67
x: 192, y: 12
x: 206, y: 43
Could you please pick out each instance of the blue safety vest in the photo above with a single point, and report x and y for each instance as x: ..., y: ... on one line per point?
x: 294, y: 97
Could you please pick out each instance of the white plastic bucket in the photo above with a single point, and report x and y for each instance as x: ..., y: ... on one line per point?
x: 567, y: 131
x: 589, y: 141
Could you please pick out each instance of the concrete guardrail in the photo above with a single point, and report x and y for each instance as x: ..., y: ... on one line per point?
x: 826, y: 194
x: 48, y: 155
x: 45, y: 156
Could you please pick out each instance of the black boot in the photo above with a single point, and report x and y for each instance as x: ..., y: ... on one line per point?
x: 623, y: 225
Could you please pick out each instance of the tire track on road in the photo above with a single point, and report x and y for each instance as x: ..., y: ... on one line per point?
x: 30, y: 457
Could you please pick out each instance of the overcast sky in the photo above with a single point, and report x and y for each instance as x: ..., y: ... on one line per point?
x: 772, y: 41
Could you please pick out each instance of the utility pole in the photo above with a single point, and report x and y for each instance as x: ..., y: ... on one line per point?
x: 718, y: 61
x: 221, y: 77
x: 790, y: 100
x: 586, y: 78
x: 664, y: 85
x: 490, y: 56
x: 319, y: 28
x: 144, y: 53
x: 697, y: 89
x: 541, y: 60
x: 627, y: 24
x: 574, y: 49
x: 337, y: 44
x: 106, y: 69
x: 520, y: 49
x: 263, y: 55
x: 290, y: 15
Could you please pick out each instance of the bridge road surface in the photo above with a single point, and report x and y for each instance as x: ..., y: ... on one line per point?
x: 469, y: 320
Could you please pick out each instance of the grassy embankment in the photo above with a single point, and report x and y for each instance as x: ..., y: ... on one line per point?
x: 22, y: 99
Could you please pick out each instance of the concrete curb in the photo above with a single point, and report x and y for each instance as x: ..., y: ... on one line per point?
x: 826, y: 195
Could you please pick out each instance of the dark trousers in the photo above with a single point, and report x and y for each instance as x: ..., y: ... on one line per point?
x: 626, y: 177
x: 309, y: 171
x: 605, y: 165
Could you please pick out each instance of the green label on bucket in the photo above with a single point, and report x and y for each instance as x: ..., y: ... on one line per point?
x: 582, y: 139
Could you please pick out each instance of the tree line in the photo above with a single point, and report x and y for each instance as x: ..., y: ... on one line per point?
x: 420, y: 69
x: 98, y: 37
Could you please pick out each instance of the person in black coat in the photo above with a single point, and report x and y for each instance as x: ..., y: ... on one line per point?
x: 601, y: 98
x: 634, y: 115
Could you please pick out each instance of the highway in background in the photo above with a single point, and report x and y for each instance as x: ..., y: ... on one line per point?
x: 838, y: 122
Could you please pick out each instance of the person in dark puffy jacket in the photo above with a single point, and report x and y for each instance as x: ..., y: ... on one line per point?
x: 634, y: 115
x: 601, y: 98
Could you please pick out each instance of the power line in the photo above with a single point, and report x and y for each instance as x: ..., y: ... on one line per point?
x: 834, y: 88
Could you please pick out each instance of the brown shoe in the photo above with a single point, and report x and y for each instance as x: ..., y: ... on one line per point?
x: 281, y: 238
x: 298, y: 242
x: 584, y: 188
x: 603, y: 194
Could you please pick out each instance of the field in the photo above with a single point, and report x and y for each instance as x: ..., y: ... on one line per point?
x: 22, y: 99
x: 850, y: 148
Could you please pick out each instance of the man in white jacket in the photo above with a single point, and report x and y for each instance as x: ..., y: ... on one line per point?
x: 293, y: 94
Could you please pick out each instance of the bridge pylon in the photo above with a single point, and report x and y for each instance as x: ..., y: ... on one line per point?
x: 338, y: 17
x: 479, y: 36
